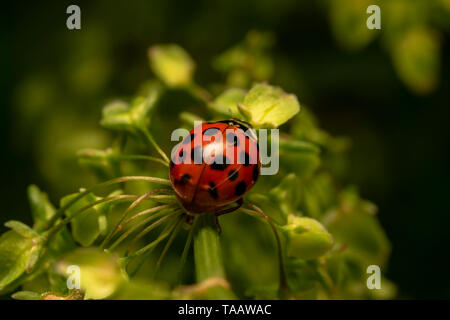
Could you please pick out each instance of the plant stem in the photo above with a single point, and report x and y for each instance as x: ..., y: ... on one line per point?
x: 61, y: 210
x: 155, y: 145
x: 139, y: 157
x: 187, y: 246
x: 138, y: 225
x: 124, y: 215
x: 208, y: 257
x: 61, y: 223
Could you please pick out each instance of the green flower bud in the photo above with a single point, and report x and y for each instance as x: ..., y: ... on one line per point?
x: 307, y: 238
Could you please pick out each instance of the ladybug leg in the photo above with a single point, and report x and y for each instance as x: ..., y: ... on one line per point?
x: 219, y: 228
x: 225, y: 211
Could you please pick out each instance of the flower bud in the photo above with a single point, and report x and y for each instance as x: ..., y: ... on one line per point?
x: 307, y: 238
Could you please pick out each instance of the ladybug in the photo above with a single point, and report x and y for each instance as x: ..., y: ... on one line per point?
x: 214, y: 166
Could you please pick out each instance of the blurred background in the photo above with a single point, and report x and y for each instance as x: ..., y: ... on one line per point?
x: 387, y: 90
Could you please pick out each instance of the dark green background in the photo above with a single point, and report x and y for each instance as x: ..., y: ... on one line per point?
x: 400, y: 151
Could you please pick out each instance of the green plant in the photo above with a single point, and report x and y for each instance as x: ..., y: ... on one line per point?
x: 325, y: 235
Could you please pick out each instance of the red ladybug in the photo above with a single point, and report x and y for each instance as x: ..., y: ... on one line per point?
x: 214, y: 166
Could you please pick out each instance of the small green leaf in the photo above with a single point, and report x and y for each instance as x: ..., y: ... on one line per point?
x: 41, y: 208
x: 348, y: 22
x: 134, y: 117
x: 287, y: 194
x: 35, y: 254
x: 301, y: 163
x: 298, y: 146
x: 188, y: 118
x: 61, y: 242
x: 100, y: 272
x: 416, y: 57
x: 248, y: 61
x: 85, y: 226
x: 116, y: 116
x: 355, y: 224
x: 172, y: 64
x: 227, y: 102
x: 99, y: 161
x: 15, y: 250
x: 269, y: 106
x: 304, y: 278
x: 21, y: 228
x: 307, y: 238
x: 27, y: 295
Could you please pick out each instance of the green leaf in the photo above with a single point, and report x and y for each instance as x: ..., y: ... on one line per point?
x: 287, y: 194
x: 41, y: 208
x: 116, y: 116
x: 301, y: 163
x: 291, y: 145
x: 26, y: 295
x: 15, y: 250
x: 100, y: 272
x: 21, y: 228
x: 416, y: 57
x: 188, y: 118
x: 280, y: 201
x: 35, y: 254
x: 304, y: 279
x: 227, y: 102
x: 61, y: 243
x: 85, y: 226
x: 355, y: 224
x: 172, y: 64
x: 248, y: 61
x: 268, y: 106
x: 132, y: 118
x: 307, y: 238
x: 348, y: 23
x: 99, y: 161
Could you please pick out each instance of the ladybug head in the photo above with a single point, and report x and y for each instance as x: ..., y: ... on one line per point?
x: 244, y: 125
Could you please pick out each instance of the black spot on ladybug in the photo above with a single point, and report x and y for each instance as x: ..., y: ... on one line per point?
x: 211, y: 131
x: 212, y: 190
x: 185, y: 178
x: 189, y: 138
x: 233, y: 175
x: 221, y: 162
x: 232, y: 139
x: 171, y: 165
x: 196, y: 153
x: 255, y: 172
x: 181, y: 155
x: 240, y: 188
x: 244, y: 158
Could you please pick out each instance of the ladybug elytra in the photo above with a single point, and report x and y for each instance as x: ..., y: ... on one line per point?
x: 214, y: 166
